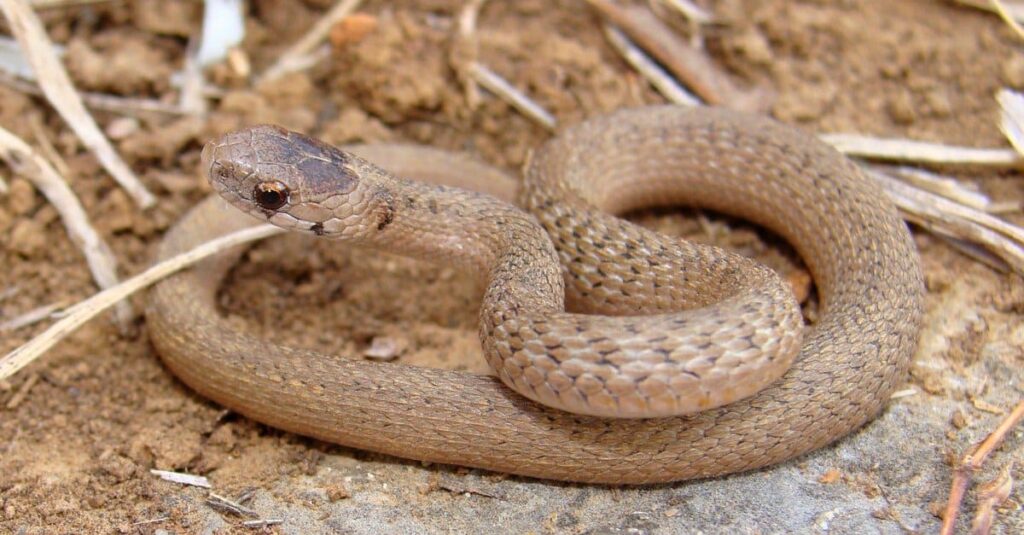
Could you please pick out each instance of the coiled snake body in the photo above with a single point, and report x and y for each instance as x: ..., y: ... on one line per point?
x: 673, y: 328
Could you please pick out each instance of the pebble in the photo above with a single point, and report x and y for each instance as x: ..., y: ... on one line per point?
x: 1013, y: 71
x: 27, y: 237
x: 901, y: 108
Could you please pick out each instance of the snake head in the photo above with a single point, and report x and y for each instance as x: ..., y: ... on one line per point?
x: 291, y: 180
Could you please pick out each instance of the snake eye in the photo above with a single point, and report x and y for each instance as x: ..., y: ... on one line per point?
x: 270, y: 195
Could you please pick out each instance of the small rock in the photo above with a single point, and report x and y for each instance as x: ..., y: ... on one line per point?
x: 804, y: 105
x: 167, y: 18
x: 122, y: 127
x: 901, y: 108
x: 959, y: 419
x: 223, y: 436
x: 338, y: 492
x: 118, y: 466
x: 830, y: 476
x: 28, y: 237
x: 752, y: 45
x: 118, y: 211
x: 22, y: 197
x: 1013, y: 71
x: 938, y: 103
x: 384, y: 348
x: 352, y: 29
x: 800, y: 281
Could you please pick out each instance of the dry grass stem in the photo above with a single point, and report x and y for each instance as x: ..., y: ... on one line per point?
x: 83, y: 311
x: 296, y: 58
x: 226, y: 504
x: 992, y: 494
x: 22, y: 392
x: 517, y: 99
x: 692, y: 12
x: 31, y: 317
x: 946, y: 186
x: 974, y: 251
x: 1015, y: 9
x: 52, y: 4
x: 3, y: 186
x: 662, y: 81
x: 465, y: 50
x: 192, y: 99
x: 1011, y: 120
x: 952, y: 219
x: 263, y: 523
x: 8, y: 293
x: 61, y: 94
x: 25, y: 161
x: 46, y: 146
x: 906, y: 150
x: 1008, y: 18
x: 182, y: 479
x: 100, y: 101
x: 152, y: 521
x: 690, y: 66
x: 971, y: 462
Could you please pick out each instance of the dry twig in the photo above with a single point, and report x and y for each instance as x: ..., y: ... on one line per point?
x: 514, y: 97
x: 52, y: 4
x: 100, y: 101
x: 692, y: 12
x: 22, y: 392
x: 1015, y: 10
x: 192, y: 98
x: 649, y: 69
x: 1011, y: 120
x: 952, y: 189
x: 21, y: 158
x: 31, y: 317
x: 182, y: 479
x: 57, y: 87
x: 955, y: 220
x: 906, y: 150
x: 971, y: 463
x: 297, y: 57
x: 692, y: 67
x: 465, y: 50
x: 1008, y: 17
x: 222, y: 503
x: 990, y: 495
x: 81, y: 312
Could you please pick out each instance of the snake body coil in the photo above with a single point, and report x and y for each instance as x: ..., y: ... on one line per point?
x: 682, y: 327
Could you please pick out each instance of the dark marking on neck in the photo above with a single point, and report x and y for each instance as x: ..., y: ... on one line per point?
x: 386, y: 210
x: 317, y: 228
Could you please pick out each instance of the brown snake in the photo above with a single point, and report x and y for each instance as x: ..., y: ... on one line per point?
x: 674, y: 327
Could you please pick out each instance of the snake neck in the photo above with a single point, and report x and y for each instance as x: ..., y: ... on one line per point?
x: 489, y: 239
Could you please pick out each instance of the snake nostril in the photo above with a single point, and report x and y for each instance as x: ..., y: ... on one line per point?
x: 270, y: 195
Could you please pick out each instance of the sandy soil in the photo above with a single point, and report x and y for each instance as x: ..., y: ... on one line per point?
x: 76, y: 451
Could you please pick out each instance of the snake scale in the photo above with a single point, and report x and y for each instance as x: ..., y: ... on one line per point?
x: 690, y: 361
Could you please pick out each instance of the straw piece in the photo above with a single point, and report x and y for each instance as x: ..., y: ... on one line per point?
x: 81, y: 312
x: 57, y: 87
x: 517, y: 99
x: 692, y: 12
x: 1011, y: 120
x: 296, y: 57
x: 21, y: 158
x: 649, y: 69
x: 920, y: 151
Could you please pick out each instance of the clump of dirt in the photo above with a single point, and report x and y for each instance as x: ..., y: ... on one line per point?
x: 83, y: 426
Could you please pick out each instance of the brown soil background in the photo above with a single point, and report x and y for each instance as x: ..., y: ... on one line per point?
x: 75, y: 454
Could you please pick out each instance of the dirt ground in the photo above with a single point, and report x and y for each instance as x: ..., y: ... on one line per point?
x: 76, y: 449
